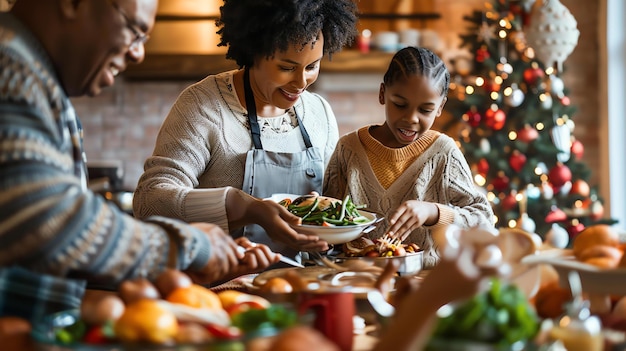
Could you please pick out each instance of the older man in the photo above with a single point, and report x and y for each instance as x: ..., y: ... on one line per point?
x: 56, y: 236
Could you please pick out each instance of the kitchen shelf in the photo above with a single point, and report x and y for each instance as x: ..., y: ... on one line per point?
x: 182, y: 67
x: 396, y: 16
x: 389, y: 16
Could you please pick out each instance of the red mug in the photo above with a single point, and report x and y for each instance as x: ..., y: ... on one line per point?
x: 334, y: 311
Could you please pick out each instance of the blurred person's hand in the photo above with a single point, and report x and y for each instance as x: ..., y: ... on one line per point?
x: 455, y: 278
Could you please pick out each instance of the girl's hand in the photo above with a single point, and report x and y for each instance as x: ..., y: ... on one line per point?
x: 411, y: 215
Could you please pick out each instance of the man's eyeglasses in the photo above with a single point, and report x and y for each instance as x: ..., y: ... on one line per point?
x: 140, y: 36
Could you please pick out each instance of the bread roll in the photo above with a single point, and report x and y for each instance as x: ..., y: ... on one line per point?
x: 602, y: 262
x: 600, y: 251
x: 599, y: 234
x: 622, y: 262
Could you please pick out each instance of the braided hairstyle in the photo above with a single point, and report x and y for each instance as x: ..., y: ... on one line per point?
x: 259, y: 28
x: 417, y: 60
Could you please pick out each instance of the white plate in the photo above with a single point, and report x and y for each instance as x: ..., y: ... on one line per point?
x: 594, y: 279
x: 332, y: 235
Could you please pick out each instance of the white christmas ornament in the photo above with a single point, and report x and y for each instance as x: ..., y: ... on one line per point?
x: 562, y: 139
x: 556, y: 85
x: 485, y: 146
x: 565, y: 188
x: 557, y: 237
x: 516, y: 98
x: 533, y: 192
x: 546, y: 101
x: 552, y: 32
x: 547, y: 191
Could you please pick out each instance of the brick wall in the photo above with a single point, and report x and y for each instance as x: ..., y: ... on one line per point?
x: 122, y: 123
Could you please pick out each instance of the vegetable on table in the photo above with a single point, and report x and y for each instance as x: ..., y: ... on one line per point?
x: 325, y: 211
x: 500, y: 316
x: 275, y: 316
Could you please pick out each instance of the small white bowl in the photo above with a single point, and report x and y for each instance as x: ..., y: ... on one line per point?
x: 332, y: 235
x: 340, y: 234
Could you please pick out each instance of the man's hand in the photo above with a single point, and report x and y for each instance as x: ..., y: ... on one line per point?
x: 224, y: 255
x: 257, y: 257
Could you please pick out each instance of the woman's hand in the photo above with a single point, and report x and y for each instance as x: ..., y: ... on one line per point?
x: 244, y: 209
x: 411, y: 215
x: 276, y: 220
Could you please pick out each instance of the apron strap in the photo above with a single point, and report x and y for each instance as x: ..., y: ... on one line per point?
x: 255, y: 130
x: 305, y: 134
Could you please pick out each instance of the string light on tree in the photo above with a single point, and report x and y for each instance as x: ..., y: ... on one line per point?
x: 518, y: 130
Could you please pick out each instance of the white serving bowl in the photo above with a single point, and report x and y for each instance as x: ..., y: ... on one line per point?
x: 338, y: 234
x: 332, y: 234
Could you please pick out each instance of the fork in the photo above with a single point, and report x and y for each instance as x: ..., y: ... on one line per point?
x: 323, y: 261
x: 350, y: 265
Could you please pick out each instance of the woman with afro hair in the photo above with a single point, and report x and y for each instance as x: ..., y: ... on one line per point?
x: 256, y: 128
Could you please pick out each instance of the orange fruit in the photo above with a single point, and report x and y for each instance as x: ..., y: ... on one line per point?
x: 231, y: 298
x: 195, y: 296
x: 550, y: 300
x: 146, y: 320
x: 598, y: 234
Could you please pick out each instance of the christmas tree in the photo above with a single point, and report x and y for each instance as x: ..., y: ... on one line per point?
x: 517, y: 118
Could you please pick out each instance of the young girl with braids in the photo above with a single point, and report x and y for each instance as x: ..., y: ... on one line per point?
x: 417, y: 177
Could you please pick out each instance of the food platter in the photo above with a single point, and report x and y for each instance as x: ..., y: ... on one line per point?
x: 309, y: 274
x: 409, y: 264
x: 317, y: 279
x: 594, y: 279
x: 332, y: 234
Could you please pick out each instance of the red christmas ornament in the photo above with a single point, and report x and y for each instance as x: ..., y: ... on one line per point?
x: 482, y: 54
x: 473, y: 118
x: 501, y: 182
x: 559, y: 175
x: 491, y: 86
x: 565, y: 101
x: 517, y: 160
x: 556, y: 215
x: 577, y: 149
x: 532, y: 75
x: 580, y: 187
x: 527, y: 134
x: 574, y: 230
x: 495, y: 119
x: 509, y: 202
x: 482, y: 167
